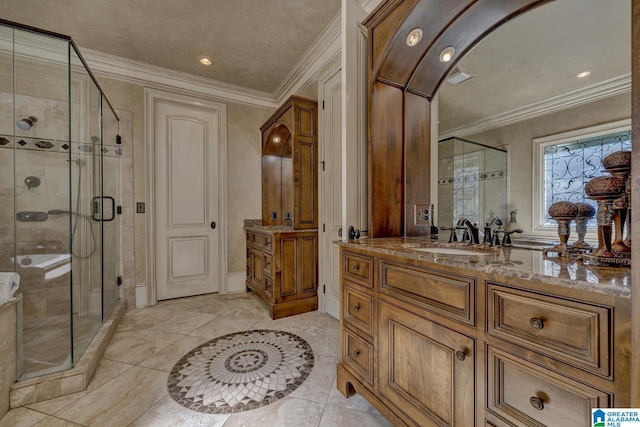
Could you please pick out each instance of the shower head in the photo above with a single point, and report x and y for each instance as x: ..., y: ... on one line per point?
x: 26, y: 123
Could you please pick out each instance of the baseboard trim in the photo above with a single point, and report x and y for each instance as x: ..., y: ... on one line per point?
x: 142, y: 295
x: 235, y: 283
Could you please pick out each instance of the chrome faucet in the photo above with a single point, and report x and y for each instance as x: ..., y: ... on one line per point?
x: 288, y: 220
x: 472, y: 229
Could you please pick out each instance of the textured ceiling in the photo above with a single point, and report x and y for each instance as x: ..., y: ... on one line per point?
x: 256, y: 43
x: 253, y: 43
x: 537, y: 56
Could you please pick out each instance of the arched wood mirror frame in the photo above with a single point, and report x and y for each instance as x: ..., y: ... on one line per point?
x: 402, y: 82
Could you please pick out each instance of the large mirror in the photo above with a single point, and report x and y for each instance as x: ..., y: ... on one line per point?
x: 472, y: 182
x: 553, y: 88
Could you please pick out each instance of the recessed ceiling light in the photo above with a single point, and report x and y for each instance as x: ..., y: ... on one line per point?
x: 276, y: 139
x: 204, y: 60
x: 583, y: 74
x: 414, y: 37
x: 447, y: 54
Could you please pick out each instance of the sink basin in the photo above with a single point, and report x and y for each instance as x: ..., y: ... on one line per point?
x: 451, y: 251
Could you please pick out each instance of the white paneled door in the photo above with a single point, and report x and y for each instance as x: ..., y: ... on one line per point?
x: 331, y: 191
x: 186, y: 200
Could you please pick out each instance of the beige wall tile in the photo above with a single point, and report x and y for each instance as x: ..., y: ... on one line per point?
x: 8, y: 353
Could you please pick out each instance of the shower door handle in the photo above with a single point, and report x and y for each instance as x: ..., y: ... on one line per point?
x: 97, y: 215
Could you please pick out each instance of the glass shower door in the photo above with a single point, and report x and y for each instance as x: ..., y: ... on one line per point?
x: 86, y: 236
x: 111, y: 151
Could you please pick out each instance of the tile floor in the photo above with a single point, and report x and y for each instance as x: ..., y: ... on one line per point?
x: 130, y: 385
x: 46, y: 342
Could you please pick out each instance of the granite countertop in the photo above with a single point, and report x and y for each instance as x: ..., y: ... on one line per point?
x: 276, y: 229
x: 512, y: 262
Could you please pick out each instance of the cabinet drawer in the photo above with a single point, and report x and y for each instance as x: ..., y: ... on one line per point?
x: 262, y: 241
x: 529, y: 395
x: 447, y: 294
x: 357, y: 309
x: 571, y: 331
x: 357, y: 268
x: 357, y: 354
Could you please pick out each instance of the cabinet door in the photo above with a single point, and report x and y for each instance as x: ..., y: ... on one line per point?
x: 425, y: 369
x: 257, y: 262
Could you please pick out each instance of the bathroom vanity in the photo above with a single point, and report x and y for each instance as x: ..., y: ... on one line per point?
x: 501, y: 338
x: 281, y: 269
x: 282, y: 248
x: 473, y: 336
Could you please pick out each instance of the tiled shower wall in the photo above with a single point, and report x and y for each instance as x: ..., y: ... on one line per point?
x: 49, y: 163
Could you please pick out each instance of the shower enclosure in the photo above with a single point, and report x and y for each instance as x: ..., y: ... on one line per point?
x: 59, y: 174
x: 472, y: 182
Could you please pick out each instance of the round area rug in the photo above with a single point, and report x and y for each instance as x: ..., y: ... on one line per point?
x: 240, y: 371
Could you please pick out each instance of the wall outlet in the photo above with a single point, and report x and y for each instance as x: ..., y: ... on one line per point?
x: 422, y: 214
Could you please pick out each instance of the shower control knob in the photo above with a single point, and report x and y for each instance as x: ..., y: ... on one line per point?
x: 213, y: 225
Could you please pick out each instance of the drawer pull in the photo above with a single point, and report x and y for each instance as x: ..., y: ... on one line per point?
x: 356, y: 353
x: 536, y: 402
x: 460, y: 355
x: 536, y: 323
x: 356, y: 267
x: 356, y: 308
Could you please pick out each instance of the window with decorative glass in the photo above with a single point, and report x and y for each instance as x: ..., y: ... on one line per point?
x: 564, y: 163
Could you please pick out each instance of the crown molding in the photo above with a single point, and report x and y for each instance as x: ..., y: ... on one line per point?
x: 601, y: 90
x: 321, y: 52
x: 369, y: 5
x: 138, y: 72
x: 55, y: 51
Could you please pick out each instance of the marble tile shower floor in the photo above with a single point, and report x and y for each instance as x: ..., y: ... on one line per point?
x: 47, y: 342
x: 130, y: 385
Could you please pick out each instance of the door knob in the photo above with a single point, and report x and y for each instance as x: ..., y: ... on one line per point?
x: 213, y: 225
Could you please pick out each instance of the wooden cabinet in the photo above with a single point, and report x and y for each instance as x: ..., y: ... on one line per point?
x: 282, y: 253
x: 452, y: 346
x: 289, y: 166
x: 425, y: 369
x: 282, y: 270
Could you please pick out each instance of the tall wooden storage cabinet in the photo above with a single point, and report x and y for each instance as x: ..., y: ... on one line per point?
x: 282, y: 253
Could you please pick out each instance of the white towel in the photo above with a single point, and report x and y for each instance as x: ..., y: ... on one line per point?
x: 9, y: 283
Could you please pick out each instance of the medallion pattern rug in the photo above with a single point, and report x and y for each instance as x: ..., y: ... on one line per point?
x: 240, y: 371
